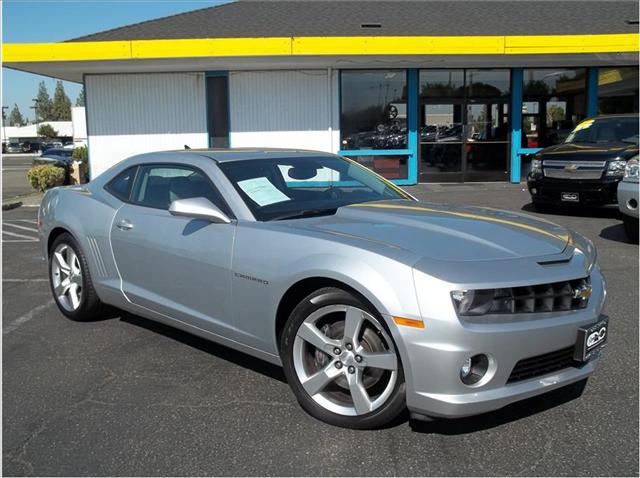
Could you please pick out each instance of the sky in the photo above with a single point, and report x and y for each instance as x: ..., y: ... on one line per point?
x: 58, y: 20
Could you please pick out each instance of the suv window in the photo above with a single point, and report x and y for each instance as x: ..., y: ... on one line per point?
x: 158, y: 186
x: 120, y: 186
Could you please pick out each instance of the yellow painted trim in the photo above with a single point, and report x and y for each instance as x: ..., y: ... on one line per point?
x: 466, y: 215
x: 301, y: 46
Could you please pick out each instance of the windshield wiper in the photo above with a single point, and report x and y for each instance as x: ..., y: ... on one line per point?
x: 306, y: 213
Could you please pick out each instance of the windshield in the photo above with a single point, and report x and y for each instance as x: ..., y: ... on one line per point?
x: 287, y: 188
x: 606, y: 130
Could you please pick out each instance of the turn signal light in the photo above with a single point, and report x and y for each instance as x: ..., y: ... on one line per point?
x: 418, y: 324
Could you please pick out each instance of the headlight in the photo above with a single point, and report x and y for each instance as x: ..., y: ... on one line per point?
x: 536, y: 166
x: 552, y: 297
x: 631, y: 169
x: 616, y: 168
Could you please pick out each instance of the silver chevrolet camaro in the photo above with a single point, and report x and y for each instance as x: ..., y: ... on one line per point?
x: 372, y: 301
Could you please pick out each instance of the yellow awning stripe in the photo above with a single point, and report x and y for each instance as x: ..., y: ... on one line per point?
x: 304, y: 46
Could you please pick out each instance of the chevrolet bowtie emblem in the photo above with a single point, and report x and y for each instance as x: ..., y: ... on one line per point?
x: 583, y: 292
x: 572, y: 168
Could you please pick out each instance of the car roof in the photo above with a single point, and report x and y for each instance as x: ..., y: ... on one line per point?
x: 221, y: 155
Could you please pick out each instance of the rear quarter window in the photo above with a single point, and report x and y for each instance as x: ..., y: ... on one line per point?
x: 120, y: 186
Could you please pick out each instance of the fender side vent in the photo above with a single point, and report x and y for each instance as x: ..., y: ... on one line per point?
x: 101, y: 270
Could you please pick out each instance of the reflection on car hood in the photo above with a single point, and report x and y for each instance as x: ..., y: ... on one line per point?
x: 588, y: 151
x: 444, y: 232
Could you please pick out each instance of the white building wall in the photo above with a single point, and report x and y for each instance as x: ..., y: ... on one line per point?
x: 79, y: 122
x: 129, y: 114
x: 285, y: 109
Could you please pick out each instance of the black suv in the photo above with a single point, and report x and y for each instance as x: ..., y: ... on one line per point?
x: 588, y: 166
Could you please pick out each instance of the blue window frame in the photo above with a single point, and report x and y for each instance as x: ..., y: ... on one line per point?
x: 372, y: 150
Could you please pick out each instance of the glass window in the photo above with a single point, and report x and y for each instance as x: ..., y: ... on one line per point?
x: 614, y: 129
x: 288, y: 188
x: 373, y: 111
x: 441, y: 84
x: 488, y: 83
x: 554, y: 101
x: 158, y: 186
x: 218, y: 111
x: 618, y: 90
x: 120, y: 186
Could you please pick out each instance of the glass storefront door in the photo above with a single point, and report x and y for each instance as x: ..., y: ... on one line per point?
x: 464, y: 128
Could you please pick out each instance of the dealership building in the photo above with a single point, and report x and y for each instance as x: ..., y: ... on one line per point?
x: 422, y: 91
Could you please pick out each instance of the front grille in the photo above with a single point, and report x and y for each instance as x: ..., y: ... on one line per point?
x: 573, y: 169
x: 557, y: 296
x: 542, y: 365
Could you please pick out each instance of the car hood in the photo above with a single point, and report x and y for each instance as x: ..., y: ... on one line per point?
x: 587, y: 151
x: 441, y: 231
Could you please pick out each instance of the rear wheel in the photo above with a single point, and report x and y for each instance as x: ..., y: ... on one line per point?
x: 631, y: 227
x: 341, y: 362
x: 70, y: 280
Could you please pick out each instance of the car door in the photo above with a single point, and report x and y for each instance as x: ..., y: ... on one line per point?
x: 176, y: 266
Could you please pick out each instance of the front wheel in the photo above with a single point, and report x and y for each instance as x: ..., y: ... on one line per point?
x: 341, y: 362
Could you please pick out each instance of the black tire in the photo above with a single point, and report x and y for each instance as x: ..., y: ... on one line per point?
x: 631, y: 228
x: 544, y: 207
x: 389, y: 410
x: 90, y: 307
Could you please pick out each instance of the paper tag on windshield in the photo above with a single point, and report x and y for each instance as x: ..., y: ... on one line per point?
x: 262, y: 191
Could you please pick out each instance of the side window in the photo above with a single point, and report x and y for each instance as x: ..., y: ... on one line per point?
x: 120, y: 186
x: 158, y: 186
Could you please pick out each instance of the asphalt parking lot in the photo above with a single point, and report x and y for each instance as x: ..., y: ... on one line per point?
x: 14, y: 175
x: 126, y: 396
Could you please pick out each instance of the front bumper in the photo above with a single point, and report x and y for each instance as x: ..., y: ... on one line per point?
x: 591, y: 192
x: 432, y: 358
x: 628, y: 198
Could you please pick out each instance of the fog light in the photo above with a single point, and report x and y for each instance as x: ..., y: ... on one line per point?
x: 534, y: 191
x: 465, y: 370
x: 473, y: 369
x: 632, y: 204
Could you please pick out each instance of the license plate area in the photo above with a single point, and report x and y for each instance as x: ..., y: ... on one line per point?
x: 570, y: 197
x: 591, y: 340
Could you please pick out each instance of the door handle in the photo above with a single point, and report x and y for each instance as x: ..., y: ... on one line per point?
x: 124, y: 225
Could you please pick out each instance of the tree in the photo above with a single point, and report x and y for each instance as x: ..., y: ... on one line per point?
x: 47, y: 131
x: 15, y: 117
x: 61, y: 108
x: 80, y: 99
x: 45, y: 105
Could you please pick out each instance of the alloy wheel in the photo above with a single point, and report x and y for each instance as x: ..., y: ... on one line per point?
x: 66, y: 277
x: 345, y: 360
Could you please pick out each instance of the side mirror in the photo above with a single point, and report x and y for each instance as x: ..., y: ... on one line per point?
x: 198, y: 208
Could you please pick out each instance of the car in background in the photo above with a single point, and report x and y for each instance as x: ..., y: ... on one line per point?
x: 60, y: 157
x: 31, y: 146
x: 628, y: 199
x: 588, y: 166
x: 14, y: 147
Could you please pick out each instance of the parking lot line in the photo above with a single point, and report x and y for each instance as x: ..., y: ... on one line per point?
x: 25, y: 280
x: 26, y: 317
x: 21, y: 232
x: 13, y: 234
x: 21, y: 227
